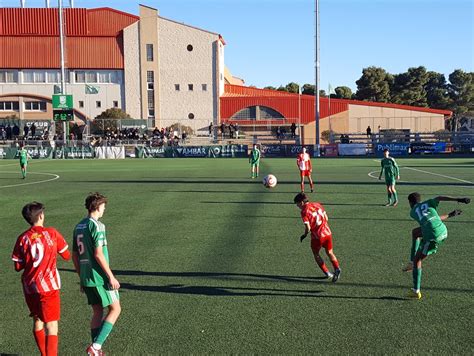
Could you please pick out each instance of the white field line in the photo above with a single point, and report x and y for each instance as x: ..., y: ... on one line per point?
x: 55, y: 176
x: 439, y: 175
x: 35, y: 162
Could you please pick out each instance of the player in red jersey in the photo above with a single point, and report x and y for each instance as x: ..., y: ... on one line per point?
x: 315, y: 221
x: 303, y: 161
x: 35, y: 253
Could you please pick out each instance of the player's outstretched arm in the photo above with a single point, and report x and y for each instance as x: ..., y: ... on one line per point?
x: 451, y: 214
x: 100, y: 258
x: 459, y: 200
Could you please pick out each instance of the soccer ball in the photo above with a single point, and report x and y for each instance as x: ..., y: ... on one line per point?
x: 270, y: 181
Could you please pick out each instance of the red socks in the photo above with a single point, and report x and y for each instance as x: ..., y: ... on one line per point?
x: 40, y: 338
x: 335, y: 264
x: 52, y: 345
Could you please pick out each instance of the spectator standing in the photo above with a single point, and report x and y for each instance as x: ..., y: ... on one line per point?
x: 369, y: 131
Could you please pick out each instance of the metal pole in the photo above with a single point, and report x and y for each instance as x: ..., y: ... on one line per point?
x: 63, y: 73
x: 299, y: 114
x: 316, y: 86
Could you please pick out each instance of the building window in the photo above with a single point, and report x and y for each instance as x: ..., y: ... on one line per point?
x: 53, y: 76
x: 115, y: 104
x: 149, y: 52
x: 190, y: 116
x: 81, y: 104
x: 35, y: 105
x: 151, y: 113
x: 91, y: 77
x: 190, y: 48
x: 104, y: 77
x: 190, y: 87
x: 98, y: 104
x: 176, y: 87
x: 80, y: 76
x: 150, y: 76
x: 9, y: 106
x: 204, y: 87
x: 8, y: 76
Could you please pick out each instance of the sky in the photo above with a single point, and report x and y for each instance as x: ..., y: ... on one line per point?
x: 271, y: 42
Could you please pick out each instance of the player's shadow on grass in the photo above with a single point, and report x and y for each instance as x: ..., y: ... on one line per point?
x: 215, y: 291
x: 256, y: 277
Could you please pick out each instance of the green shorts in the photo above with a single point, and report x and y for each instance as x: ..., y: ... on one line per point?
x: 389, y: 181
x: 101, y: 295
x: 23, y: 164
x: 430, y: 246
x: 255, y: 164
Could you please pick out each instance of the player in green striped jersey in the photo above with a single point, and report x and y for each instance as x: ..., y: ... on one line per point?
x: 392, y: 173
x: 254, y: 160
x: 431, y: 233
x: 24, y: 156
x: 91, y: 260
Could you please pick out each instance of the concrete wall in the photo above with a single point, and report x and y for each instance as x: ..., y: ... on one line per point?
x: 339, y: 123
x: 180, y: 66
x: 132, y: 95
x: 361, y: 116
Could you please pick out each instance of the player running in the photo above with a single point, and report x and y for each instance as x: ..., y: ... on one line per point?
x: 392, y: 172
x: 91, y: 260
x: 315, y: 221
x: 24, y: 156
x: 303, y: 161
x: 254, y: 160
x: 431, y: 233
x: 35, y: 253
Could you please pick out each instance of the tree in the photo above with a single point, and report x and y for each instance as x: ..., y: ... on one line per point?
x: 374, y: 85
x: 293, y: 87
x: 307, y: 89
x: 461, y: 93
x: 282, y: 88
x: 409, y: 88
x: 270, y: 88
x: 342, y: 93
x: 437, y: 94
x: 108, y: 120
x: 322, y: 93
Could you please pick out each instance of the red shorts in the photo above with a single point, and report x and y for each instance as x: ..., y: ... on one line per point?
x: 317, y: 243
x: 305, y: 173
x: 45, y: 306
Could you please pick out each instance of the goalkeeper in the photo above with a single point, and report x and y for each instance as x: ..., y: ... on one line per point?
x: 431, y: 233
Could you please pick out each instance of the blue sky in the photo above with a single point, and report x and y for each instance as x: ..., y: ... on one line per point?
x: 271, y: 42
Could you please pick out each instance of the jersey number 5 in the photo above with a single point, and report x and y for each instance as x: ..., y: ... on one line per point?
x: 80, y: 244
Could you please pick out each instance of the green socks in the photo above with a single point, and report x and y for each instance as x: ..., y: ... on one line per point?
x: 389, y: 197
x: 415, y: 244
x: 416, y: 278
x: 395, y: 196
x: 104, y: 332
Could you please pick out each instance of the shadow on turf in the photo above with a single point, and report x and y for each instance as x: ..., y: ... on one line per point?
x: 255, y: 277
x: 242, y: 292
x: 247, y: 181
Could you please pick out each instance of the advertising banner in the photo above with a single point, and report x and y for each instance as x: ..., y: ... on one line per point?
x: 396, y: 149
x: 329, y: 150
x: 34, y: 152
x: 284, y: 150
x: 228, y: 151
x: 352, y: 149
x: 73, y: 152
x: 114, y: 152
x: 424, y: 147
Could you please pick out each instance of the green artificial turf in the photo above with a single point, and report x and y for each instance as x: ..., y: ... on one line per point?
x: 210, y: 261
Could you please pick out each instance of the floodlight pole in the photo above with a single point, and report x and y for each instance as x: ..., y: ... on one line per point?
x: 316, y: 86
x: 63, y: 72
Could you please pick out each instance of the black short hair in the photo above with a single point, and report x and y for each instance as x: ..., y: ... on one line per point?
x: 385, y: 150
x: 414, y: 198
x: 94, y: 200
x: 300, y: 197
x: 32, y: 211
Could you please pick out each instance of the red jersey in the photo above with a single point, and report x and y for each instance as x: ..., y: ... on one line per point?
x: 304, y: 162
x: 315, y: 215
x: 35, y: 250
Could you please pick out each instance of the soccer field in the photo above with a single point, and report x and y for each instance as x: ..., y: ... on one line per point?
x: 210, y: 261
